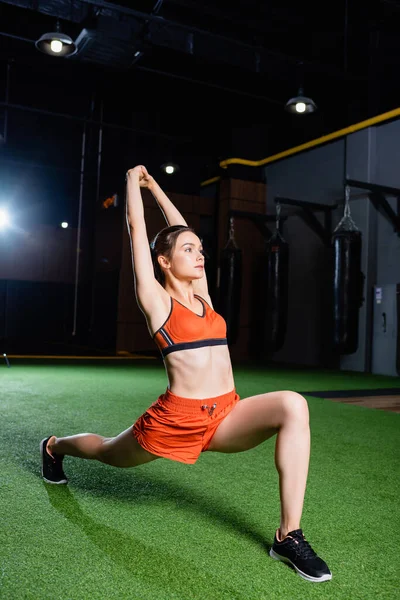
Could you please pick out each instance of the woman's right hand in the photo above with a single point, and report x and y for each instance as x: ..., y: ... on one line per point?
x: 145, y: 180
x: 136, y: 172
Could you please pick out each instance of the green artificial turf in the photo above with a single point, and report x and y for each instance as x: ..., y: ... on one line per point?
x: 171, y: 531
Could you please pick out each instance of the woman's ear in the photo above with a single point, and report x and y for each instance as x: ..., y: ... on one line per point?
x: 163, y: 262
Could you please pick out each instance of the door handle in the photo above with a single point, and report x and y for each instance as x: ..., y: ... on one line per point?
x: 384, y: 322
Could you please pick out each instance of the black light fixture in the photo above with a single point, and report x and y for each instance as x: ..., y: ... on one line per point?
x: 56, y: 43
x: 300, y: 104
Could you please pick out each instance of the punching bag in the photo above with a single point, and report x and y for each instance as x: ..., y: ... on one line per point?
x: 230, y: 285
x: 348, y: 282
x: 277, y: 289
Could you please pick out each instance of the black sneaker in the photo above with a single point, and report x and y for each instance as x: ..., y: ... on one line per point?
x: 296, y: 551
x: 52, y: 471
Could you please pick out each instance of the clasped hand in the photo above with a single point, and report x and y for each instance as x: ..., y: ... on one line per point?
x: 145, y: 180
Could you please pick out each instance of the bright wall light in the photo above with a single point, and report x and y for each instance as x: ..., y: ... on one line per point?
x: 64, y: 224
x: 4, y: 218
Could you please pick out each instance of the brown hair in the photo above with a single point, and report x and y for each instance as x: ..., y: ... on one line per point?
x: 163, y: 244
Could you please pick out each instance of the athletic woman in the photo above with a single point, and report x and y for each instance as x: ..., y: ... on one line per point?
x: 200, y: 410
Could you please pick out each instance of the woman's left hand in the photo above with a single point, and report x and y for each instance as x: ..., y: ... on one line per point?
x: 145, y: 180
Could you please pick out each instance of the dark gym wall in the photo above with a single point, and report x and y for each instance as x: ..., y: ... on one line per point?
x: 312, y: 176
x: 388, y: 153
x: 301, y: 177
x: 387, y: 173
x: 372, y: 155
x: 37, y: 287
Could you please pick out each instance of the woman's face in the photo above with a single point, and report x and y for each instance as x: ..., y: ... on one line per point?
x: 187, y: 260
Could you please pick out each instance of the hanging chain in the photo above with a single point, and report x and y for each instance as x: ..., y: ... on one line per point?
x: 231, y: 239
x: 347, y: 202
x: 278, y: 214
x: 231, y: 229
x: 346, y: 223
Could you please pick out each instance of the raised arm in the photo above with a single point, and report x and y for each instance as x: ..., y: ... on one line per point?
x: 148, y: 291
x: 173, y: 217
x: 170, y: 212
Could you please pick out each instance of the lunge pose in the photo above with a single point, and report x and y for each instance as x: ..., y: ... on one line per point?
x: 200, y: 410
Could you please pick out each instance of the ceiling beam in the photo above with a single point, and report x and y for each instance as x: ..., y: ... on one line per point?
x: 185, y: 38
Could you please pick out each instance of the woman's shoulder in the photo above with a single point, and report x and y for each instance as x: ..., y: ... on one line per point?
x: 158, y: 313
x: 206, y: 298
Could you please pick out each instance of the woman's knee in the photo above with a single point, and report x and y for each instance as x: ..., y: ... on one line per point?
x: 295, y: 407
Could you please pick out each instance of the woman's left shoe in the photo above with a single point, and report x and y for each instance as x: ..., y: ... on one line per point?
x: 52, y: 470
x: 295, y: 550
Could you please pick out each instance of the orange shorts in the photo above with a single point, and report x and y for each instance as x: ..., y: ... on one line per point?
x: 181, y: 428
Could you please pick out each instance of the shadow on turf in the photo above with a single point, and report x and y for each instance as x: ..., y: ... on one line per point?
x: 147, y: 489
x: 139, y: 559
x: 133, y: 554
x: 142, y: 488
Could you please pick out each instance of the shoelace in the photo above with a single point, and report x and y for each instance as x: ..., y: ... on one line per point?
x: 55, y: 464
x: 302, y: 547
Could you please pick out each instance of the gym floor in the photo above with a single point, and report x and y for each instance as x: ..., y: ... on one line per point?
x: 172, y: 531
x: 380, y: 399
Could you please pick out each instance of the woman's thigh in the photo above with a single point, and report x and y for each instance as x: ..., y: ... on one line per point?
x: 125, y: 451
x: 255, y: 419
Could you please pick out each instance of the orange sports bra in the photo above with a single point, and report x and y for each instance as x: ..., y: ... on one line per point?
x: 184, y: 329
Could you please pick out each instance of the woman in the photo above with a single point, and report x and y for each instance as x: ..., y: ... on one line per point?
x: 200, y: 410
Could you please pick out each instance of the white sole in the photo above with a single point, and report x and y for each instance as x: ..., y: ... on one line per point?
x: 284, y: 559
x: 63, y: 481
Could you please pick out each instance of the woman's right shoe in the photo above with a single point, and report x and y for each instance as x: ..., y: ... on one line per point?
x: 295, y: 550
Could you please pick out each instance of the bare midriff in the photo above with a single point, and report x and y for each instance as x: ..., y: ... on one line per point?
x: 200, y: 372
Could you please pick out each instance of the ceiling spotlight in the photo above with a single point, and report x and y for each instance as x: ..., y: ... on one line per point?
x: 170, y: 168
x: 300, y: 104
x: 56, y: 43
